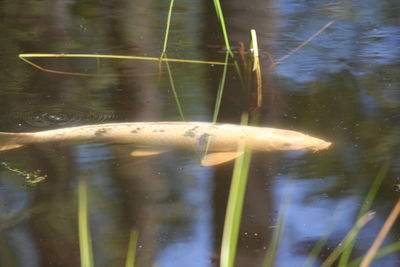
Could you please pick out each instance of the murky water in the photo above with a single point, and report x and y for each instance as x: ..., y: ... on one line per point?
x: 342, y: 86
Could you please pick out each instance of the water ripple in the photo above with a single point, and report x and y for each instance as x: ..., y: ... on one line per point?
x: 56, y: 116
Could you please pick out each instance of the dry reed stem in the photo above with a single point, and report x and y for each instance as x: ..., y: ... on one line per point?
x: 381, y: 236
x: 302, y: 44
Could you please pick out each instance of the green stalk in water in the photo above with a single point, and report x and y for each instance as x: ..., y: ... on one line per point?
x: 85, y: 241
x: 171, y: 5
x: 164, y: 57
x: 131, y: 254
x: 235, y: 204
x: 276, y: 236
x: 220, y: 89
x: 344, y: 259
x: 220, y: 15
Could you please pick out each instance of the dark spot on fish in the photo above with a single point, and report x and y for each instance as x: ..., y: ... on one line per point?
x: 158, y: 131
x: 203, y: 139
x: 136, y: 130
x: 100, y: 132
x: 191, y: 132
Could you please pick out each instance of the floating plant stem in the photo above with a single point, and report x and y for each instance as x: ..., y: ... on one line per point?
x: 25, y: 57
x: 177, y: 60
x: 30, y: 177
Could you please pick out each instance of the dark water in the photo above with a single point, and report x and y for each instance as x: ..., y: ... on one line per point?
x: 343, y: 86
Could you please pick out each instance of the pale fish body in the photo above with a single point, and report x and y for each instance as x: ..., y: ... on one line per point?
x: 198, y: 135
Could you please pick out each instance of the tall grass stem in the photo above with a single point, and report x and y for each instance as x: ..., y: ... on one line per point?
x: 235, y: 204
x: 85, y: 241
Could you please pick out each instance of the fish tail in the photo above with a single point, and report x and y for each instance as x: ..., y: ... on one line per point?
x: 10, y: 141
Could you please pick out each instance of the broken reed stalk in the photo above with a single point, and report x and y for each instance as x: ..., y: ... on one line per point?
x: 348, y: 239
x: 256, y: 67
x: 381, y: 236
x: 367, y: 203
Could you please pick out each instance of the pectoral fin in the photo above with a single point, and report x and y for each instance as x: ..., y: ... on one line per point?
x: 148, y: 152
x: 217, y: 158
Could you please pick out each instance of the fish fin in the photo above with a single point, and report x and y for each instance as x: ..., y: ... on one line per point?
x: 148, y: 152
x: 10, y: 141
x: 217, y: 158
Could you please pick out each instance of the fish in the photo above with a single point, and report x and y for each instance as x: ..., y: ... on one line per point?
x: 220, y: 140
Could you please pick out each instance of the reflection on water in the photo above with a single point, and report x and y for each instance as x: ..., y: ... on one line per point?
x: 343, y: 87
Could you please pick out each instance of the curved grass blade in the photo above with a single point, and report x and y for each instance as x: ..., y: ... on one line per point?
x: 32, y: 55
x: 25, y: 57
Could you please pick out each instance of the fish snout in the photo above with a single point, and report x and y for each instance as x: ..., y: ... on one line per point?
x: 307, y: 142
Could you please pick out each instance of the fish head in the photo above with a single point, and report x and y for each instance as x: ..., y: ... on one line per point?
x: 282, y: 140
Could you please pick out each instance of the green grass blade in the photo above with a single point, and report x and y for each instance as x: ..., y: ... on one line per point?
x: 174, y: 91
x: 235, y: 205
x: 276, y: 237
x: 220, y: 15
x: 313, y: 255
x: 97, y: 56
x: 220, y: 90
x: 344, y: 259
x: 131, y: 254
x: 85, y: 241
x: 171, y: 5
